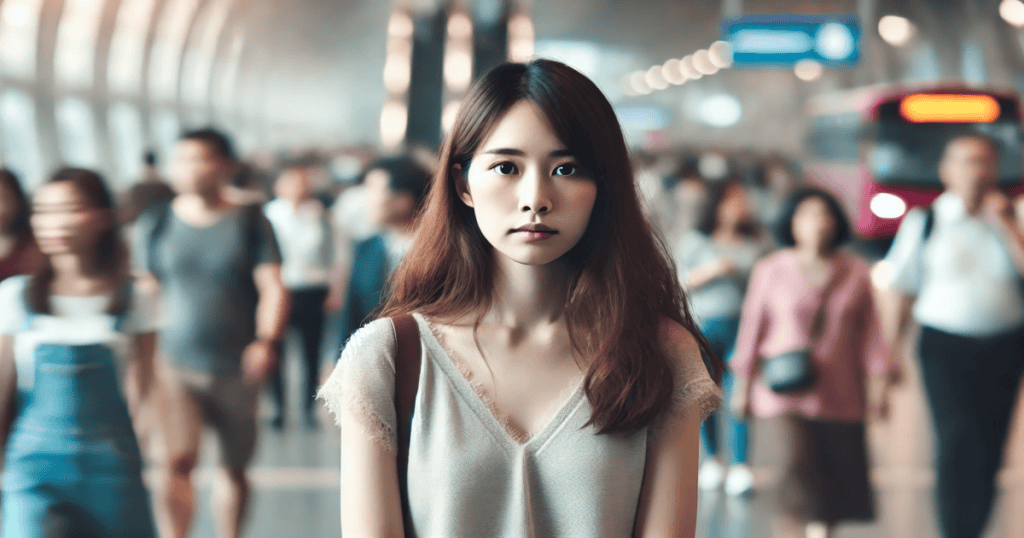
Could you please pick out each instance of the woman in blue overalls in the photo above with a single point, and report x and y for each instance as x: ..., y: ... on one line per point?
x: 76, y: 356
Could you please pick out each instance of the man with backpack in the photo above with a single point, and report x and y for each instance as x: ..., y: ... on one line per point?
x: 225, y: 311
x: 958, y: 265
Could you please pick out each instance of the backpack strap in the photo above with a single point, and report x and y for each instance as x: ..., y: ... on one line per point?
x: 929, y: 222
x: 162, y: 213
x: 407, y: 378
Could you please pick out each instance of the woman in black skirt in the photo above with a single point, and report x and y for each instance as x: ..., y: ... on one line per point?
x: 812, y: 296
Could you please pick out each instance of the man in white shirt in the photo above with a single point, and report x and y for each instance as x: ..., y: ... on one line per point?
x: 959, y: 265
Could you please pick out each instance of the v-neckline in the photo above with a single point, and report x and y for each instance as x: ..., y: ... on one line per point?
x: 489, y: 414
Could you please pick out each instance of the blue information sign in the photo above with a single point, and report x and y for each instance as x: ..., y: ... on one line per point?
x: 782, y: 40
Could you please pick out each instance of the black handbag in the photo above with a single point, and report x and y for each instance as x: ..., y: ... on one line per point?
x: 793, y: 371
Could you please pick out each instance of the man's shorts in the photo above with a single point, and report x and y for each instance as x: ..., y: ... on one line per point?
x: 226, y: 403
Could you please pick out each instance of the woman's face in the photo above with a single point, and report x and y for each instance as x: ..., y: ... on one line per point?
x: 532, y: 200
x: 813, y: 224
x: 734, y: 209
x: 63, y: 221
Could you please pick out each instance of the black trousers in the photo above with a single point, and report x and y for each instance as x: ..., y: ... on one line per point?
x: 971, y: 385
x: 307, y: 318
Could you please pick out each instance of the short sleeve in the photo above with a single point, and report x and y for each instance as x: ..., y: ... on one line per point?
x: 13, y: 317
x: 693, y: 387
x: 265, y: 243
x: 363, y: 381
x: 143, y: 313
x: 904, y: 258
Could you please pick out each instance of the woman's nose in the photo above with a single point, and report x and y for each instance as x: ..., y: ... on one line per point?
x: 534, y: 193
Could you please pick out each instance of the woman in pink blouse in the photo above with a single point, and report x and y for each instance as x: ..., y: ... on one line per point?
x: 826, y: 479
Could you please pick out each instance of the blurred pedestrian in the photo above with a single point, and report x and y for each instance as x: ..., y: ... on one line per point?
x: 715, y: 260
x: 809, y: 307
x: 219, y: 274
x: 556, y: 381
x: 303, y: 232
x: 151, y: 190
x: 76, y: 370
x: 395, y: 187
x: 959, y: 265
x: 19, y: 254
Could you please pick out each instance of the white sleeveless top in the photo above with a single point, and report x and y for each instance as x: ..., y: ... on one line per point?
x: 469, y: 476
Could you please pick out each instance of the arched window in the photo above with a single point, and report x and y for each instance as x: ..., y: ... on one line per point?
x: 76, y: 42
x: 126, y: 51
x: 19, y: 26
x: 127, y: 138
x: 20, y: 142
x: 77, y: 133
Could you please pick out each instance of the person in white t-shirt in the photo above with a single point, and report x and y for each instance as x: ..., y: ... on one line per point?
x: 960, y: 265
x: 304, y: 235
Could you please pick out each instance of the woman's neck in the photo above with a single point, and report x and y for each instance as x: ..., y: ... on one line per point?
x: 813, y: 254
x: 74, y: 274
x: 527, y: 296
x: 727, y: 235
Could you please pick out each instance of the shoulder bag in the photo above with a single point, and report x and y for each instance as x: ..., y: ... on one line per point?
x: 407, y: 379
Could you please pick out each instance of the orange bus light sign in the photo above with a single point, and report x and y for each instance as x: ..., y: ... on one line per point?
x: 949, y: 108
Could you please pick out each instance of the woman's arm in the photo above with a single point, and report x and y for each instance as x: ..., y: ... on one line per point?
x: 8, y: 390
x: 704, y: 274
x: 370, y: 499
x: 668, y: 498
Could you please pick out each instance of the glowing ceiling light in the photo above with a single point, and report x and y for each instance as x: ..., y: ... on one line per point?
x: 655, y: 79
x: 672, y: 72
x: 808, y: 70
x: 639, y: 83
x: 895, y: 30
x: 721, y: 110
x: 688, y: 69
x: 720, y: 54
x: 400, y: 24
x: 1012, y: 11
x: 702, y: 62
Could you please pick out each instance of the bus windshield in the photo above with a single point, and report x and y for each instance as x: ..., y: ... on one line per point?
x: 901, y: 152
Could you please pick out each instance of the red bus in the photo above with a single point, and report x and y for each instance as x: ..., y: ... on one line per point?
x: 878, y: 148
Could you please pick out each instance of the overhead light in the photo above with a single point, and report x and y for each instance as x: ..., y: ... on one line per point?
x: 720, y: 54
x: 834, y: 41
x: 949, y: 108
x: 720, y: 110
x: 895, y: 30
x: 808, y: 70
x: 1012, y: 11
x: 688, y: 69
x: 655, y: 79
x: 672, y: 72
x: 887, y: 206
x: 702, y: 62
x: 639, y: 83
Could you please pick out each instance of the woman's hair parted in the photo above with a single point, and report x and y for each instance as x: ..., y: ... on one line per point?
x: 111, y: 251
x: 622, y: 284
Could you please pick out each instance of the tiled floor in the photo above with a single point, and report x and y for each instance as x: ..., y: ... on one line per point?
x: 296, y: 490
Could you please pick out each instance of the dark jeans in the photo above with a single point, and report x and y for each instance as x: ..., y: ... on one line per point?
x: 721, y: 334
x: 971, y: 385
x: 308, y: 318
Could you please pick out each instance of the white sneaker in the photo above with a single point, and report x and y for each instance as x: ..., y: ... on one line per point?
x: 711, y: 475
x: 740, y: 481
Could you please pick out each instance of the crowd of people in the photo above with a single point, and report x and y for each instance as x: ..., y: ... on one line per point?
x: 558, y: 315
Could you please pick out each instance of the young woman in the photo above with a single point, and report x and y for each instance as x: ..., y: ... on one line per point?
x: 76, y: 353
x: 715, y: 261
x: 561, y: 390
x: 19, y: 254
x: 826, y: 480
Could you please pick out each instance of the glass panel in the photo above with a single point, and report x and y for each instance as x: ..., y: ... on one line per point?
x: 19, y: 23
x: 166, y: 130
x: 126, y: 132
x: 199, y: 57
x: 126, y: 50
x: 167, y: 48
x: 76, y: 41
x: 76, y: 129
x: 20, y: 141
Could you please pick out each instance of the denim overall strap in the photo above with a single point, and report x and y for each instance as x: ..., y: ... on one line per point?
x: 73, y: 445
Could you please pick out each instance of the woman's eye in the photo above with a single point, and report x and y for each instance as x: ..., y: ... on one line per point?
x: 505, y: 169
x: 566, y: 170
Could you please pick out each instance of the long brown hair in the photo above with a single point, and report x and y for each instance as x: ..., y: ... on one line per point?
x: 111, y: 251
x: 622, y: 282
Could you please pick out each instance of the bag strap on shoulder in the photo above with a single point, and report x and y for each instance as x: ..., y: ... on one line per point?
x: 407, y: 378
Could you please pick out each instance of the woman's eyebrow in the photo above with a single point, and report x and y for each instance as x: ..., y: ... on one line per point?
x: 521, y: 153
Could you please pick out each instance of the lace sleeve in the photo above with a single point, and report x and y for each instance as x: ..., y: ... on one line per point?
x: 694, y: 388
x: 363, y: 381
